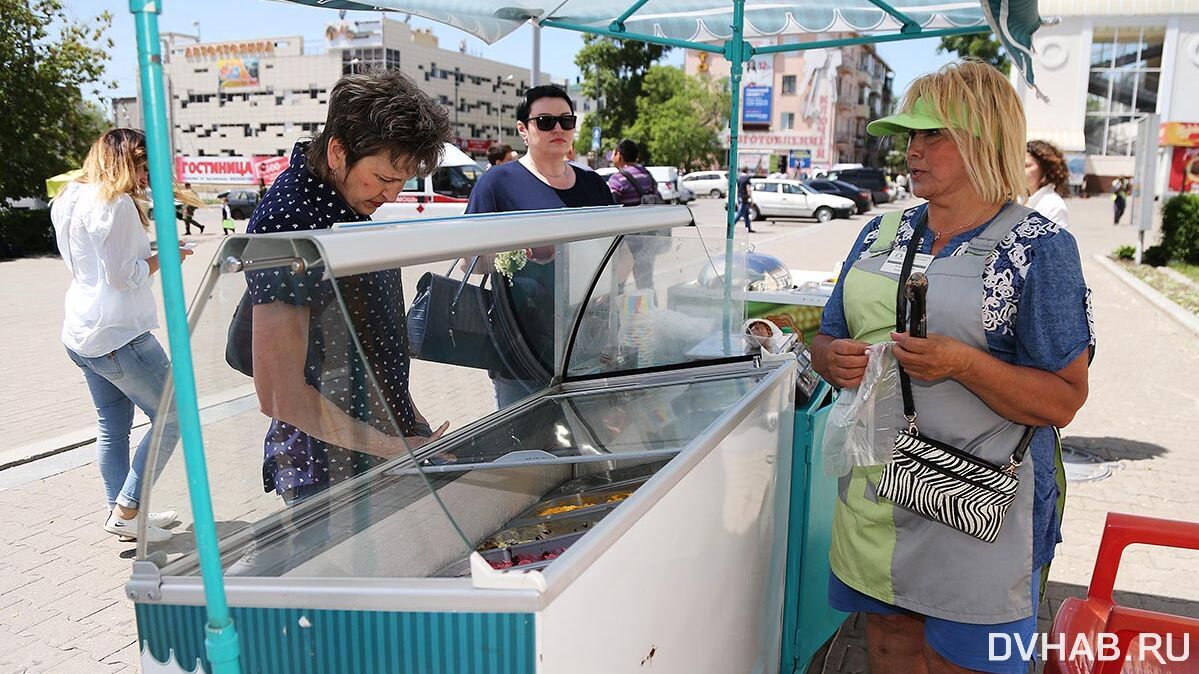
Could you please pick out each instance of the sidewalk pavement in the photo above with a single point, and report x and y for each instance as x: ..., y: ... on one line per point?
x: 62, y: 606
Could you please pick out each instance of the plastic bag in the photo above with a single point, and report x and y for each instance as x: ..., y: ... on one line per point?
x: 863, y: 422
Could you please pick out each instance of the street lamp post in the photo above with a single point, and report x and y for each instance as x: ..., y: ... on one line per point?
x: 457, y: 80
x: 499, y: 132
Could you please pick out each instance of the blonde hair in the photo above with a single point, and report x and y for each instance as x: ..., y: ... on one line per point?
x: 985, y: 118
x: 114, y: 163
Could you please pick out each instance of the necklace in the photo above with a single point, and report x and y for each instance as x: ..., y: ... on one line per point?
x: 547, y: 176
x: 970, y: 225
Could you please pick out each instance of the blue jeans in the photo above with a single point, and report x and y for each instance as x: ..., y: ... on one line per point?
x: 134, y: 374
x: 743, y: 212
x: 510, y: 391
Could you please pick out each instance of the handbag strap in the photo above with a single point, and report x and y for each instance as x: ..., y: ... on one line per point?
x: 632, y: 181
x: 901, y: 324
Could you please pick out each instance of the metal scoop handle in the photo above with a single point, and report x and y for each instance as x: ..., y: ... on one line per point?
x: 916, y: 292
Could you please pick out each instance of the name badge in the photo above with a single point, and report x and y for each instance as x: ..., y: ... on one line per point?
x: 894, y: 263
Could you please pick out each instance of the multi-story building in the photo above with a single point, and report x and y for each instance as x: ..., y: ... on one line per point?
x: 807, y: 109
x: 255, y: 98
x: 1102, y: 66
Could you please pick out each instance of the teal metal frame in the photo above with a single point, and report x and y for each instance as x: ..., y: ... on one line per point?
x: 221, y: 639
x: 222, y: 644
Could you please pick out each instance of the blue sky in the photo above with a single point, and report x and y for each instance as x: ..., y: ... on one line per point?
x: 246, y: 19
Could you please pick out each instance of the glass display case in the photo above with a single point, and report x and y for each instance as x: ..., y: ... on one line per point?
x: 612, y: 489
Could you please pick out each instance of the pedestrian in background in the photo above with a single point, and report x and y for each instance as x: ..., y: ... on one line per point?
x: 110, y: 311
x: 1048, y: 181
x: 189, y: 211
x: 1120, y: 187
x: 228, y: 225
x: 632, y: 184
x: 744, y: 199
x: 499, y: 153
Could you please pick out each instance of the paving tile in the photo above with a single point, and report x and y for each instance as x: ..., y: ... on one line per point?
x: 78, y: 605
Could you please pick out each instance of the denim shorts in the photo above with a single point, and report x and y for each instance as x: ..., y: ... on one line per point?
x: 963, y: 644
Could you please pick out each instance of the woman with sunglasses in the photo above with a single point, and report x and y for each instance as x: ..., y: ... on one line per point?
x: 541, y: 179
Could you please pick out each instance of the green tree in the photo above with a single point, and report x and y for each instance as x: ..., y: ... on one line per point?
x: 680, y: 117
x: 47, y: 62
x: 982, y: 46
x: 616, y: 70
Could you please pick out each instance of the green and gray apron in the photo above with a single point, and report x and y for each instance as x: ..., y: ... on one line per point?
x: 897, y: 556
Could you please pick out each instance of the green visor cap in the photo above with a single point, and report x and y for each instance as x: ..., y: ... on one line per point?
x: 922, y: 116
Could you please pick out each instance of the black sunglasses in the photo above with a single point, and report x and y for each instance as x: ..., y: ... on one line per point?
x: 547, y: 122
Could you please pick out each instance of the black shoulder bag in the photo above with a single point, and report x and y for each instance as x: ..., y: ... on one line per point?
x: 449, y: 321
x: 934, y: 479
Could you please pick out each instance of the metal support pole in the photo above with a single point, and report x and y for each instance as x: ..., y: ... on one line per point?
x: 536, y: 69
x: 735, y: 53
x: 222, y: 646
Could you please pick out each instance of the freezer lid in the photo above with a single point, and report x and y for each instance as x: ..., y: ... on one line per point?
x: 357, y: 248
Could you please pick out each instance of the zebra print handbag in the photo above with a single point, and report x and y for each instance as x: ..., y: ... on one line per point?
x: 936, y: 480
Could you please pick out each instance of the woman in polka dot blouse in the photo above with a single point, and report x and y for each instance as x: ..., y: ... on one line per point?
x: 336, y: 412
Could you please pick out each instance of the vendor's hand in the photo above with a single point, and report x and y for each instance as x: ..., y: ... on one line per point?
x: 932, y: 358
x: 184, y: 252
x: 846, y: 362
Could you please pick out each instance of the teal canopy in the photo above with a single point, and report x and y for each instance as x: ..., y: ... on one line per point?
x: 703, y: 22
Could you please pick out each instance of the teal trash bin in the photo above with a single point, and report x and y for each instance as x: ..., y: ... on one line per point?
x: 808, y: 620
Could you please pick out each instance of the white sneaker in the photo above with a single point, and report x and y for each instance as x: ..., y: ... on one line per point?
x: 162, y: 519
x: 127, y: 529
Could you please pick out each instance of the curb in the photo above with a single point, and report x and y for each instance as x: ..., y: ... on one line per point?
x: 1183, y: 317
x: 34, y: 451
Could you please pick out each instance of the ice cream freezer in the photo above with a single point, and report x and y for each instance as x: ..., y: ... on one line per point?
x: 640, y: 507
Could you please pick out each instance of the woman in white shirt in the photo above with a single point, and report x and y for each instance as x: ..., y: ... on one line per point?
x: 1048, y: 181
x: 110, y: 311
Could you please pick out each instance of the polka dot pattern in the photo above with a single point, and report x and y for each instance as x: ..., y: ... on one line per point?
x: 373, y: 308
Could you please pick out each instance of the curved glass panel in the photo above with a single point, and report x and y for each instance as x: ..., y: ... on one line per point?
x: 660, y: 302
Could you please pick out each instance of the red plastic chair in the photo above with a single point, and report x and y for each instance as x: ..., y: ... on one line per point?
x: 1098, y: 614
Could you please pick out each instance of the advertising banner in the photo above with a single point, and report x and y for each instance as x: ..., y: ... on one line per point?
x: 224, y: 170
x: 1184, y: 170
x: 269, y: 167
x: 1180, y: 134
x: 801, y: 159
x: 758, y: 87
x: 757, y: 105
x: 237, y: 72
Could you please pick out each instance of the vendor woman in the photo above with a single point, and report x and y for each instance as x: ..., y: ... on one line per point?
x: 1008, y: 345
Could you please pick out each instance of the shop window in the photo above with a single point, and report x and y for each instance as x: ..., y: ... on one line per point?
x: 1122, y: 86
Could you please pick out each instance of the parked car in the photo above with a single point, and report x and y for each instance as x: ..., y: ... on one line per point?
x: 790, y: 198
x: 443, y: 193
x: 856, y: 194
x: 867, y: 178
x: 712, y: 183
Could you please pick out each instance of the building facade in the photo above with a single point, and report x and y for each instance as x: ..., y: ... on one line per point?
x: 255, y: 98
x: 806, y: 110
x: 1104, y: 64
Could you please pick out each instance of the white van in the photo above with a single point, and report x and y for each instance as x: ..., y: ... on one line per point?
x: 443, y: 193
x: 712, y: 183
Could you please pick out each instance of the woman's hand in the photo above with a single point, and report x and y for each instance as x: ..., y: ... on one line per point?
x: 846, y: 362
x: 932, y: 358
